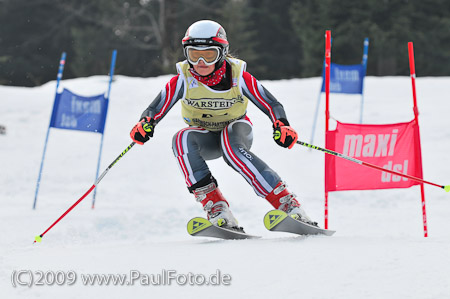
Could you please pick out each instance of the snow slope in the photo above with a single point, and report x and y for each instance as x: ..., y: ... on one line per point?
x: 143, y: 206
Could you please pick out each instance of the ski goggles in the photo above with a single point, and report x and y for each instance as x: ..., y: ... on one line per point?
x: 209, y: 55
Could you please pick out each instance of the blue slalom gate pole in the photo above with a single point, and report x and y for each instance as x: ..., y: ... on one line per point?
x: 62, y: 62
x: 111, y: 71
x: 313, y: 131
x: 111, y: 75
x: 315, y: 118
x: 364, y: 63
x: 316, y: 113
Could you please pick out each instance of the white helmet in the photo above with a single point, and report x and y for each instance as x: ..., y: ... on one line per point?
x: 206, y: 33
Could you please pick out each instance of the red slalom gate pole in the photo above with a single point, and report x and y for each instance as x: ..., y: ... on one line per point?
x: 39, y: 238
x: 412, y: 70
x: 327, y: 104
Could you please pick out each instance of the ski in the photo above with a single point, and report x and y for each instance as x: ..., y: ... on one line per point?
x: 201, y: 227
x: 277, y: 220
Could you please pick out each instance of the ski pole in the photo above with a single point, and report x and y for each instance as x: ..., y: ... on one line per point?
x: 39, y: 238
x: 446, y: 188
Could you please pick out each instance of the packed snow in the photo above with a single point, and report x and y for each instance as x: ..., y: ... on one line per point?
x: 142, y: 204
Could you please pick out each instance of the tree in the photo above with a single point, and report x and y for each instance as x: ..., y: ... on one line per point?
x: 307, y: 17
x: 276, y: 47
x: 279, y: 39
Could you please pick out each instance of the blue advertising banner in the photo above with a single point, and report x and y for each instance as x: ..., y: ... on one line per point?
x: 74, y: 112
x: 345, y: 78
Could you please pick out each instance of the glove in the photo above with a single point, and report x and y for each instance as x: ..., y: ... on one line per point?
x: 143, y: 130
x: 283, y: 134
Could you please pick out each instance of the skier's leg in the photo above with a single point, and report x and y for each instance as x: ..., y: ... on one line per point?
x: 236, y: 142
x: 191, y: 147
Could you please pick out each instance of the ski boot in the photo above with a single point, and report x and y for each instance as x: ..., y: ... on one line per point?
x: 216, y: 207
x: 280, y: 198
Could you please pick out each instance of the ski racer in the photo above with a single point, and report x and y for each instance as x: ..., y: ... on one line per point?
x: 214, y: 90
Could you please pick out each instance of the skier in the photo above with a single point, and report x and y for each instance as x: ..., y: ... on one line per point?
x: 214, y: 89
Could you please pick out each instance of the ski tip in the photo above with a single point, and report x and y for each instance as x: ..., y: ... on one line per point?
x: 37, y: 239
x: 446, y: 188
x: 273, y: 218
x: 197, y: 224
x: 327, y: 232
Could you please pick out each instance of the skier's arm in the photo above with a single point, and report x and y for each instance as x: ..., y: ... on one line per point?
x: 262, y: 98
x: 283, y: 134
x: 164, y: 101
